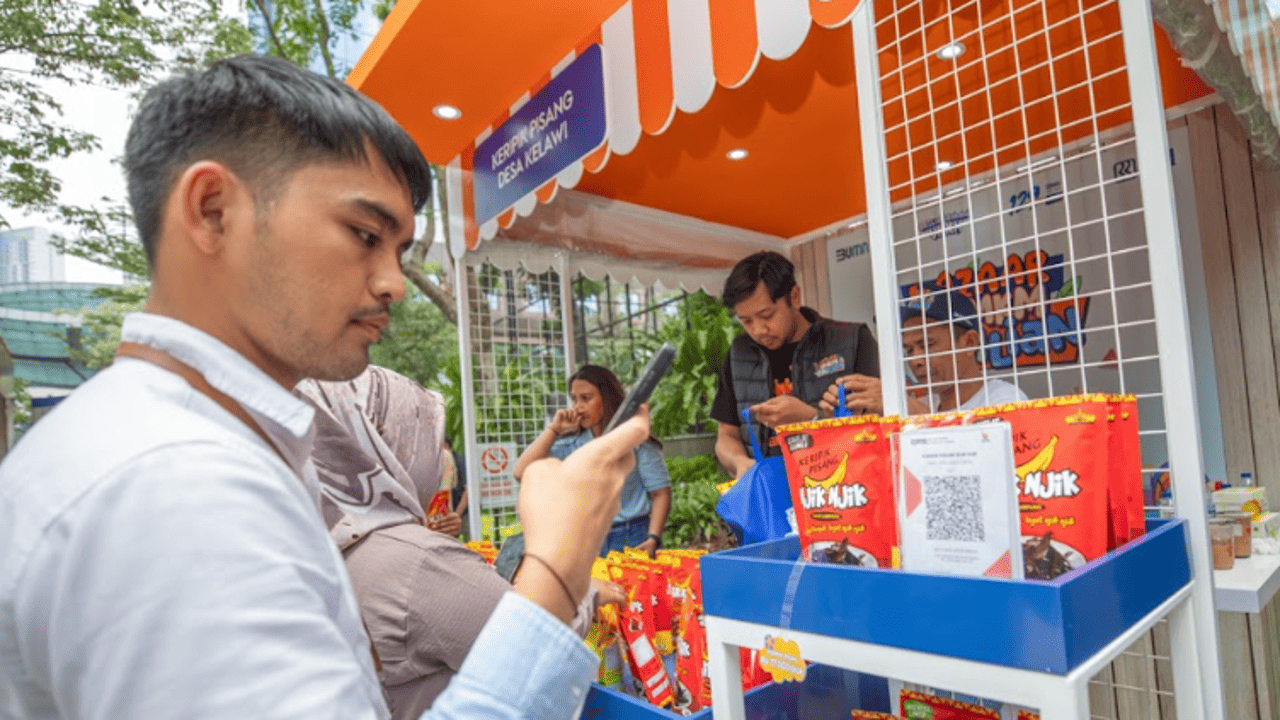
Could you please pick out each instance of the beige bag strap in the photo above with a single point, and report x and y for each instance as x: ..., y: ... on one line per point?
x: 160, y: 358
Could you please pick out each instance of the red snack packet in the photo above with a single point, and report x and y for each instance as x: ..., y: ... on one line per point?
x: 439, y: 504
x: 690, y: 648
x: 842, y: 489
x: 753, y: 675
x: 1125, y: 449
x: 637, y: 630
x: 920, y: 705
x: 870, y: 715
x: 1028, y: 715
x: 1060, y: 453
x: 484, y: 549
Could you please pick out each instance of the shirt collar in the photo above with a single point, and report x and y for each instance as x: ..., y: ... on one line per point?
x: 224, y: 369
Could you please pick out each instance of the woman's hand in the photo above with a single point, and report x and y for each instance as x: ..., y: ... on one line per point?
x: 608, y: 593
x: 449, y: 523
x: 565, y: 422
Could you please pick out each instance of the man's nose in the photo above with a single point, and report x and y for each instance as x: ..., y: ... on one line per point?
x: 387, y: 281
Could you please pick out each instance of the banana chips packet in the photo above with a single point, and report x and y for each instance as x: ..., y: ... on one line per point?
x: 1079, y: 483
x: 842, y: 489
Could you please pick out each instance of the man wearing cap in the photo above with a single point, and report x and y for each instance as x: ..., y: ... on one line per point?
x: 941, y: 340
x: 783, y: 361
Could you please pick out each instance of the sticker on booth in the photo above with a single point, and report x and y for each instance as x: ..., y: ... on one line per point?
x: 781, y: 659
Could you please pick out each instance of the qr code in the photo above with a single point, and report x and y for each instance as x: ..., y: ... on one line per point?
x: 953, y: 508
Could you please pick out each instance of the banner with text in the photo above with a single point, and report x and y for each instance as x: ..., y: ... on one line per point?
x: 559, y: 126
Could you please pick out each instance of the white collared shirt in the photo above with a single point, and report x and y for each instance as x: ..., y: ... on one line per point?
x: 158, y: 560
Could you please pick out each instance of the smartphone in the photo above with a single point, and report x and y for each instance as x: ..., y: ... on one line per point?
x: 639, y: 394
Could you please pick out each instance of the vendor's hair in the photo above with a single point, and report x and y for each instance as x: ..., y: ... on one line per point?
x: 264, y: 118
x: 610, y: 388
x: 768, y: 267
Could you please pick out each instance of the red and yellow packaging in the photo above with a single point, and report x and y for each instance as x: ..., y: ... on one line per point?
x: 439, y: 504
x: 919, y: 705
x: 485, y: 549
x: 637, y: 631
x: 842, y: 489
x: 871, y: 715
x: 1028, y: 715
x: 1125, y: 449
x: 691, y: 642
x: 1060, y: 452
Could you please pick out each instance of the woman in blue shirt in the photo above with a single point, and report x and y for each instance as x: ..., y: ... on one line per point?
x: 646, y: 495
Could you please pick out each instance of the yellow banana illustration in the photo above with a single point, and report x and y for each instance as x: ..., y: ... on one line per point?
x: 1041, y: 460
x: 836, y: 477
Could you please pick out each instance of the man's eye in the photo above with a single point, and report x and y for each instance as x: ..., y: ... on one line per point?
x: 366, y: 237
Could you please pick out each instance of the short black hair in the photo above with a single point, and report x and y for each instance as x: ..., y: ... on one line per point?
x: 264, y: 118
x: 768, y: 267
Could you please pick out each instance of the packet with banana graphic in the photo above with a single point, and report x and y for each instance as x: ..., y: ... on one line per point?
x: 842, y: 489
x: 1065, y: 489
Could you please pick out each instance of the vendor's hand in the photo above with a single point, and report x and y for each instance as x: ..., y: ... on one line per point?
x: 567, y: 507
x: 862, y: 395
x: 448, y: 523
x: 566, y: 421
x: 782, y: 410
x: 608, y: 593
x: 650, y: 547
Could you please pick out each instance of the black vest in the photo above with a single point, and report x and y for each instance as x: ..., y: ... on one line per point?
x: 752, y: 379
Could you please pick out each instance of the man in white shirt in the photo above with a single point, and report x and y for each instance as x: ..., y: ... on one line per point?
x: 941, y: 341
x: 162, y: 553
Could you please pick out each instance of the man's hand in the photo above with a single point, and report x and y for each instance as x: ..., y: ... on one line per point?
x: 566, y: 421
x: 567, y: 508
x: 447, y: 523
x: 862, y: 395
x: 782, y: 410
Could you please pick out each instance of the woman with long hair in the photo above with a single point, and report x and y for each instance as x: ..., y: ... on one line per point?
x: 595, y: 394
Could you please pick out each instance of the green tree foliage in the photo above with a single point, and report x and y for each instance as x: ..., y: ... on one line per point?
x: 114, y: 43
x: 100, y: 329
x: 419, y: 341
x: 701, y: 331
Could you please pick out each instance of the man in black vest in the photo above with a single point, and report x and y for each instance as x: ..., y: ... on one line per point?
x: 785, y: 360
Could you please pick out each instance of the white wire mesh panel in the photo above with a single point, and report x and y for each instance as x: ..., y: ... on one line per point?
x: 518, y: 369
x: 1019, y: 249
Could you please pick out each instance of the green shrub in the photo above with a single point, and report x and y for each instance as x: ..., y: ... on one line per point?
x: 693, y: 519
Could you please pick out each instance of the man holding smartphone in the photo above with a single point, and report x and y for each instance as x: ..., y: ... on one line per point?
x: 784, y: 361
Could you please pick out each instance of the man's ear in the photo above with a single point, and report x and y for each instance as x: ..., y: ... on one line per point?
x: 793, y: 298
x: 210, y: 201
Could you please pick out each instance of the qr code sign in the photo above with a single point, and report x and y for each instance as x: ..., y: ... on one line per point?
x: 953, y: 508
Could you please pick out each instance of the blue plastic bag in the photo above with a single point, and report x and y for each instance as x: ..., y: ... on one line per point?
x: 757, y: 505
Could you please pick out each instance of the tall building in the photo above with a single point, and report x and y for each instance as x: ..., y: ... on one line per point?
x: 26, y: 255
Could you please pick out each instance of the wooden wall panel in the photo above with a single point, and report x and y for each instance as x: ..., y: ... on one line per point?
x: 1237, y: 666
x: 1221, y: 297
x: 1251, y: 302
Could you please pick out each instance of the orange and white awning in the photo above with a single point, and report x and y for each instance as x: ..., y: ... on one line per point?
x: 660, y: 57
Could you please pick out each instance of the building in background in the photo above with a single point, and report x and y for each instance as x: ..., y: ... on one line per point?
x: 40, y: 324
x: 26, y: 256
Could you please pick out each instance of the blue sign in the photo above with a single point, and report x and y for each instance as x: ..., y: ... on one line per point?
x: 559, y: 126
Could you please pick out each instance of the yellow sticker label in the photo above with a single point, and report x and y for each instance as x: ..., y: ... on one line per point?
x: 781, y: 659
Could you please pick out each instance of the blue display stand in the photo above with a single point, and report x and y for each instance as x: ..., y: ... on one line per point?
x: 826, y: 694
x: 1031, y: 643
x: 1048, y: 626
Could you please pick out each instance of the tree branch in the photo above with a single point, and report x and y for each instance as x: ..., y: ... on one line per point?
x: 271, y: 27
x: 324, y: 38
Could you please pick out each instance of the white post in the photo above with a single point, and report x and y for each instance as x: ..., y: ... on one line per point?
x: 1177, y: 379
x: 879, y: 209
x: 567, y: 325
x: 461, y: 298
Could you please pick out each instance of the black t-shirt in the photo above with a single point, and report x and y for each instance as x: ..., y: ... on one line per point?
x: 725, y: 406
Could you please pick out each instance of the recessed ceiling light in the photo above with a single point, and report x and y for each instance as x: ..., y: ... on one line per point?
x: 446, y: 112
x: 945, y: 165
x: 951, y: 51
x: 737, y: 154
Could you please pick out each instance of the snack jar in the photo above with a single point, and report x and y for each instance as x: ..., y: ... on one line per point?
x: 1222, y: 536
x: 1244, y: 540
